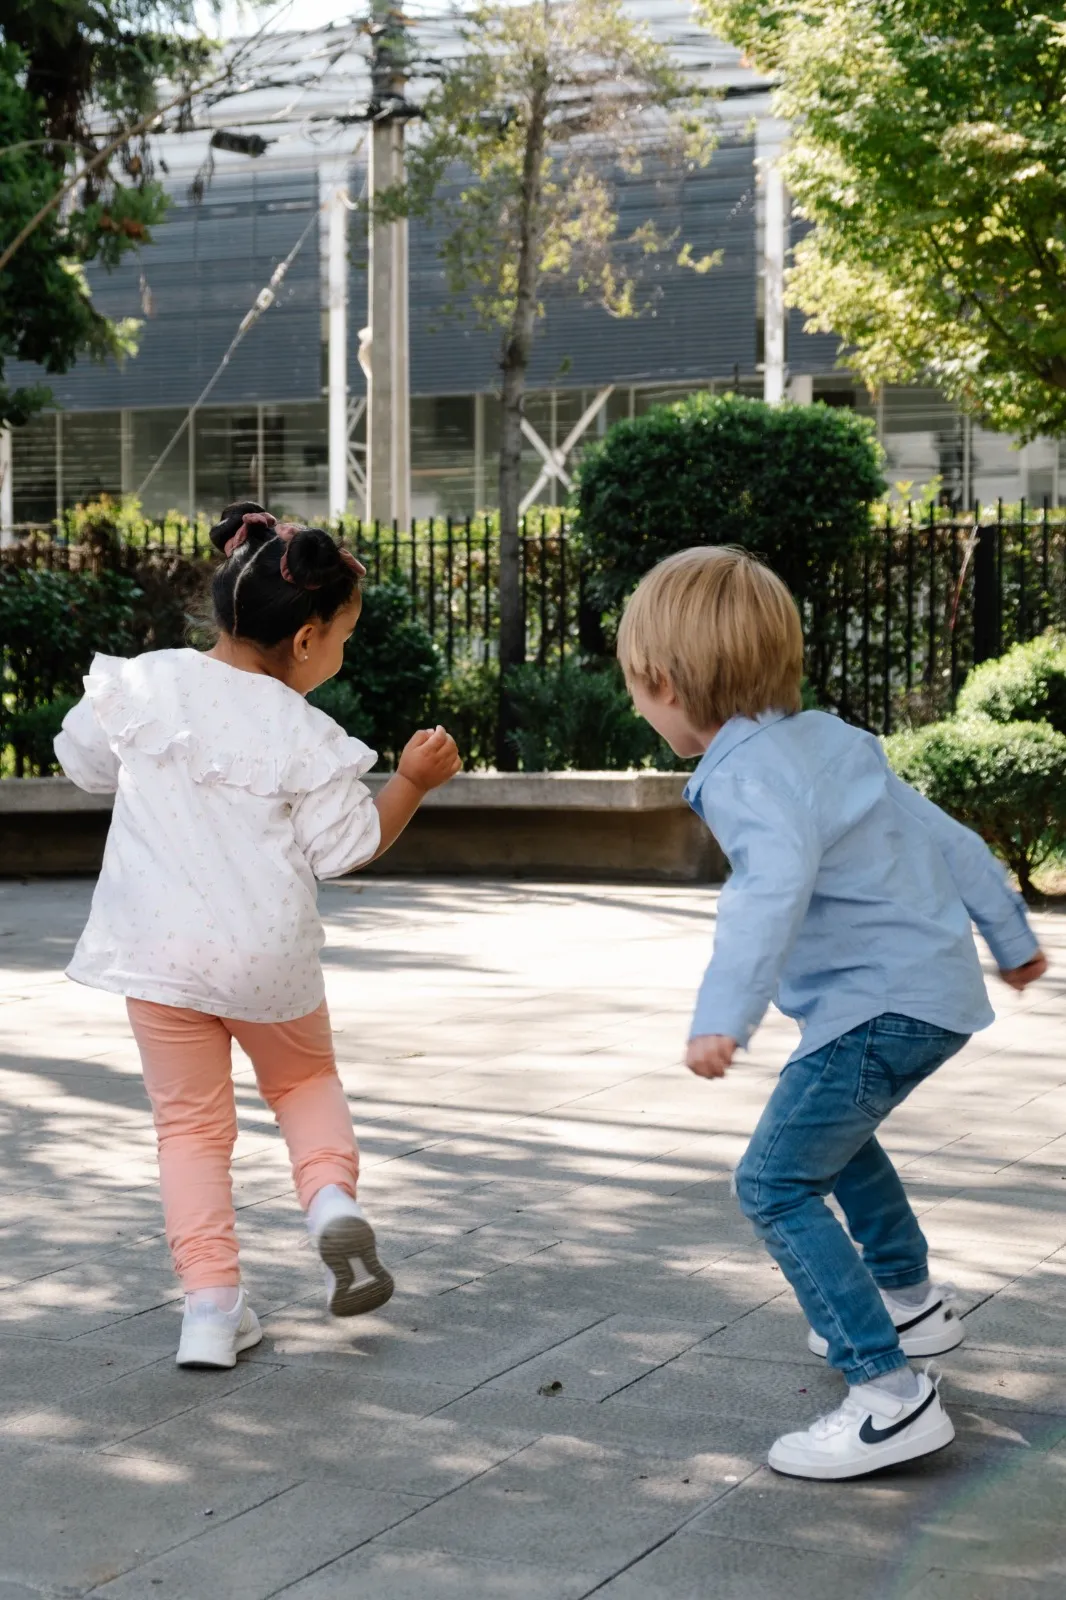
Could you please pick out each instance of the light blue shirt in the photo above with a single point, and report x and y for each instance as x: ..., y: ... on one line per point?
x: 850, y: 894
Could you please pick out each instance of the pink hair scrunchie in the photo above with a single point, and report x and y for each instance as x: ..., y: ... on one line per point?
x: 251, y: 519
x: 285, y: 531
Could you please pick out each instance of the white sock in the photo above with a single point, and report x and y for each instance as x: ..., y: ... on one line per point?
x: 222, y: 1299
x: 329, y: 1197
x: 901, y: 1383
x: 912, y: 1295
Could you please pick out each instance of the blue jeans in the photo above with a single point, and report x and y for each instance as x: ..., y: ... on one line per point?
x: 816, y: 1137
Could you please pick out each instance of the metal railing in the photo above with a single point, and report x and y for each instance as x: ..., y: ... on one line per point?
x: 892, y: 629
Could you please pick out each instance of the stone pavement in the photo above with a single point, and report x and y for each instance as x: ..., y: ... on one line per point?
x: 574, y: 1387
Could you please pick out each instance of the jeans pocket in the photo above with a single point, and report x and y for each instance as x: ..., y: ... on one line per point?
x: 898, y: 1058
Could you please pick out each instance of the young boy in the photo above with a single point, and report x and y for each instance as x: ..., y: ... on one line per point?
x: 850, y: 904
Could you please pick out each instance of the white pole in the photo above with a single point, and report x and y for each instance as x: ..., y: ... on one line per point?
x: 774, y: 287
x: 388, y: 449
x: 7, y: 490
x: 337, y: 308
x: 401, y: 378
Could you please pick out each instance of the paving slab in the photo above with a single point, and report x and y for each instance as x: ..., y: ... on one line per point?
x: 269, y: 1548
x: 524, y: 1510
x: 587, y: 1355
x: 73, y: 1520
x: 735, y: 1569
x: 373, y: 1573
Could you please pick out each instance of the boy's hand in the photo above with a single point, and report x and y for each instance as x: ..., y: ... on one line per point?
x: 429, y: 759
x: 1020, y: 977
x: 709, y: 1054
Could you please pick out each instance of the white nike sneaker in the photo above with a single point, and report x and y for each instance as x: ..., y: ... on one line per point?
x: 214, y: 1338
x: 930, y: 1329
x: 355, y: 1279
x: 871, y: 1430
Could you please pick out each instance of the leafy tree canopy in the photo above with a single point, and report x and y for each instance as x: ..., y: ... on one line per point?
x: 73, y: 74
x: 929, y: 149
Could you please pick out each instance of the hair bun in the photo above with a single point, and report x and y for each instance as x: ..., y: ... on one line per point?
x: 313, y: 558
x: 230, y: 520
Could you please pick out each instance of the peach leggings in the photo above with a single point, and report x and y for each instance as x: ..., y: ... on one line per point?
x: 186, y: 1060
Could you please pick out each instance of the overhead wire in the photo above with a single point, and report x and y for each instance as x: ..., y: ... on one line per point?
x: 266, y: 297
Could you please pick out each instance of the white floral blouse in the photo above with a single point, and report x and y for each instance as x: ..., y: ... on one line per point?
x: 232, y: 795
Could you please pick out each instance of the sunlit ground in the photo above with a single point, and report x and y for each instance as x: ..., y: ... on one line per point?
x: 587, y: 1355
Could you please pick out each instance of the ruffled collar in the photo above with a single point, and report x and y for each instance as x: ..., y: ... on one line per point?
x: 251, y: 732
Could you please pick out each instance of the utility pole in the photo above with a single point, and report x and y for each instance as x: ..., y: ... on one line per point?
x: 335, y: 206
x: 385, y: 341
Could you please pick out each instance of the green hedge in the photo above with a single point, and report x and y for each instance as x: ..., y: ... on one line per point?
x: 1005, y: 780
x: 1028, y: 684
x: 579, y: 716
x: 793, y: 483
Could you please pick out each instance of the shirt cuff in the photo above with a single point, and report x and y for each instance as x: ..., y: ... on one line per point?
x: 1012, y: 941
x: 712, y: 1015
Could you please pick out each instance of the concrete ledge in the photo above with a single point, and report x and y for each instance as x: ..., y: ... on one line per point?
x: 579, y: 825
x: 496, y: 791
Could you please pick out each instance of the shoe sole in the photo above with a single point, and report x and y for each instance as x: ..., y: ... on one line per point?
x: 914, y: 1346
x: 204, y: 1360
x: 889, y: 1455
x: 345, y: 1240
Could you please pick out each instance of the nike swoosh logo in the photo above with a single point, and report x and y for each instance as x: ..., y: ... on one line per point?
x: 871, y: 1435
x: 905, y: 1327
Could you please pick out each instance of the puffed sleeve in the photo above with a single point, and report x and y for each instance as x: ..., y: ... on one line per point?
x: 336, y: 825
x: 84, y: 752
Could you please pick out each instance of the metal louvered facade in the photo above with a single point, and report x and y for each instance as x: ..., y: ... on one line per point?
x: 692, y: 327
x: 190, y: 289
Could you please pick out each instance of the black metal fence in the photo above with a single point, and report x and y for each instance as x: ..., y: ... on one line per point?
x: 894, y: 630
x: 891, y: 631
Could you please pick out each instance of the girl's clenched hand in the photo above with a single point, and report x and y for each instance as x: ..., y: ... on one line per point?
x: 430, y: 759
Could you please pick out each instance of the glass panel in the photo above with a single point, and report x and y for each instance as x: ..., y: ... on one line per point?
x: 91, y: 456
x: 646, y: 399
x: 923, y: 441
x: 226, y: 465
x: 996, y: 468
x: 296, y: 460
x: 152, y: 432
x: 442, y: 456
x: 33, y: 451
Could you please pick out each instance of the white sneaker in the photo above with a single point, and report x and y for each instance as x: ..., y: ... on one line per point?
x: 214, y: 1338
x: 930, y: 1329
x: 871, y: 1430
x: 355, y: 1279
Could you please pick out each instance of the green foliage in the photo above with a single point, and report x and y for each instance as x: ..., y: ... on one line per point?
x: 51, y: 626
x: 392, y: 671
x: 580, y: 717
x: 512, y: 152
x: 468, y: 705
x: 929, y: 148
x: 1005, y: 780
x: 32, y: 733
x: 1028, y: 684
x: 63, y: 63
x: 793, y: 483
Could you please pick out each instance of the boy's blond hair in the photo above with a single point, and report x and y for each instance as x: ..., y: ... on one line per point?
x: 722, y: 628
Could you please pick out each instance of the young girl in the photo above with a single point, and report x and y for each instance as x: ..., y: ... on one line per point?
x: 232, y: 796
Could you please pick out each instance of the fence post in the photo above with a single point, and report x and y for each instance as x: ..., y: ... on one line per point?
x: 985, y: 597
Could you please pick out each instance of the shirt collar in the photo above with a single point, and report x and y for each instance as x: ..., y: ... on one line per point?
x: 733, y: 733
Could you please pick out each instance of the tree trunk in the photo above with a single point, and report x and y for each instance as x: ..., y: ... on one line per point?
x: 517, y: 349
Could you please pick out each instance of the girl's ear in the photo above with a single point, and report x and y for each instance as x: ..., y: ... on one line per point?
x: 301, y: 641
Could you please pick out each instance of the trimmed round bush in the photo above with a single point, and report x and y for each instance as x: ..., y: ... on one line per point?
x: 1007, y: 781
x: 1028, y: 684
x: 791, y: 483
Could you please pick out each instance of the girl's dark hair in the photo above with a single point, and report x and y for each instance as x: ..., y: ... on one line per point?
x: 272, y: 584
